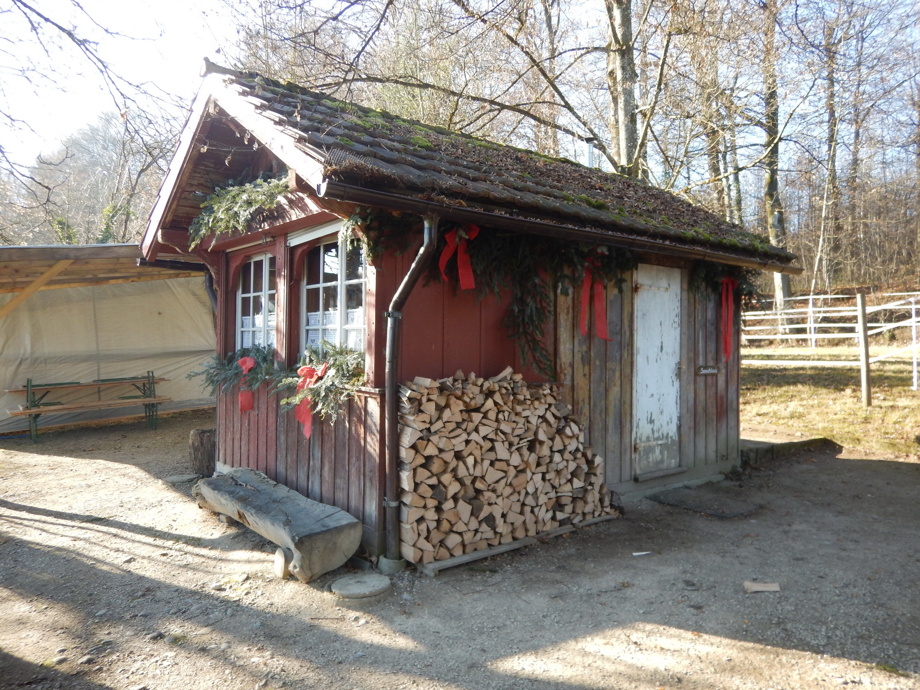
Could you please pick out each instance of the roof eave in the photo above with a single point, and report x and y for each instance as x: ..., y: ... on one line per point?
x: 278, y: 136
x: 179, y: 166
x: 344, y: 192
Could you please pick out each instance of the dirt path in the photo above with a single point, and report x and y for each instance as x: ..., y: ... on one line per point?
x: 112, y: 578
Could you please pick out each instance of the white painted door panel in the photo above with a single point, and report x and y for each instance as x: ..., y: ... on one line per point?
x: 656, y: 388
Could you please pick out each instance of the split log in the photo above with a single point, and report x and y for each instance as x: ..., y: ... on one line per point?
x: 490, y: 461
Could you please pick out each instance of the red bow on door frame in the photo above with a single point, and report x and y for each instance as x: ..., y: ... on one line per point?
x: 728, y: 315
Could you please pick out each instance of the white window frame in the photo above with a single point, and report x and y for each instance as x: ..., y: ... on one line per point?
x: 265, y: 332
x: 339, y: 326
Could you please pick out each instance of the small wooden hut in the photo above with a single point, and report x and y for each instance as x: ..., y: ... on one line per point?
x: 616, y: 296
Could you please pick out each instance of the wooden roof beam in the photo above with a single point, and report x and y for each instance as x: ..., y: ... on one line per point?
x: 35, y: 286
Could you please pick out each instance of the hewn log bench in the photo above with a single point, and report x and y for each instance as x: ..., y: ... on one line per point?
x: 37, y: 403
x: 316, y: 537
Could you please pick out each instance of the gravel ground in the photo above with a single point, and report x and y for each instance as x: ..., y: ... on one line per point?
x: 111, y: 577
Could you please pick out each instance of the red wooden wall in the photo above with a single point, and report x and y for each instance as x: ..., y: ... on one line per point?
x: 445, y: 329
x: 341, y: 464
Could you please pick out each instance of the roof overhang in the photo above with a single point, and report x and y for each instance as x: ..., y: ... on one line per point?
x: 361, y: 195
x: 215, y: 96
x: 26, y: 270
x: 222, y: 99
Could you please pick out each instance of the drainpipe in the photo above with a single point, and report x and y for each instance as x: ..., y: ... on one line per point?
x: 393, y: 562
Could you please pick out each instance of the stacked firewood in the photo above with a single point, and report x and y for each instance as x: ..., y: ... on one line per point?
x: 485, y: 462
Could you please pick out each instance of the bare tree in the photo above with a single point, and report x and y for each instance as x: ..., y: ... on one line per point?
x: 96, y: 189
x: 773, y: 205
x: 752, y: 108
x: 42, y: 45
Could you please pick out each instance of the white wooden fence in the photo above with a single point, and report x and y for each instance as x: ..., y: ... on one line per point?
x: 813, y: 318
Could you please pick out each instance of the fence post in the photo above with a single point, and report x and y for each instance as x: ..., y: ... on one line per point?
x: 913, y: 339
x: 812, y: 331
x: 863, y: 349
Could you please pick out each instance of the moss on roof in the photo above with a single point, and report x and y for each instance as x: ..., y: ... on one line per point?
x: 375, y: 148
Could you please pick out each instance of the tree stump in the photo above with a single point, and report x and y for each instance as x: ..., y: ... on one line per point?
x: 201, y: 451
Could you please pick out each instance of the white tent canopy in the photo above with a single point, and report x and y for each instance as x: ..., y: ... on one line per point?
x: 100, y: 316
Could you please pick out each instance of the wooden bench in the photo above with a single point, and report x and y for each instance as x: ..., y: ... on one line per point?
x: 36, y: 393
x: 315, y: 538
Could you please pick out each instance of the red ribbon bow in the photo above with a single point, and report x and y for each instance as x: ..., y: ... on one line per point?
x: 457, y: 240
x: 303, y: 413
x: 246, y: 397
x: 728, y: 315
x: 600, y: 304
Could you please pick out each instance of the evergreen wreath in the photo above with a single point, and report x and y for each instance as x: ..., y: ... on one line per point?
x: 223, y: 373
x: 344, y: 375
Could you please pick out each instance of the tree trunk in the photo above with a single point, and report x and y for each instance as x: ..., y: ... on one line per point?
x: 201, y: 451
x: 773, y: 205
x: 621, y: 82
x: 737, y: 214
x: 832, y: 215
x: 915, y: 97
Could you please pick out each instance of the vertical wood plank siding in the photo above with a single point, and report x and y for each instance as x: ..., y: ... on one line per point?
x: 340, y: 464
x: 445, y: 329
x: 596, y: 380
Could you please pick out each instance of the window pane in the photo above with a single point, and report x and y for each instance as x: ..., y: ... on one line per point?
x: 246, y: 278
x: 271, y: 274
x: 331, y: 335
x: 313, y: 316
x: 245, y: 307
x: 330, y: 263
x: 246, y: 338
x: 257, y: 276
x: 355, y: 339
x: 354, y: 263
x: 330, y: 306
x: 354, y: 295
x: 313, y: 261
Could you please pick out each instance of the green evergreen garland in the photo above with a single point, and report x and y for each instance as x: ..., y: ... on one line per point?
x: 708, y: 276
x: 344, y: 375
x: 532, y: 268
x: 223, y: 373
x: 229, y: 209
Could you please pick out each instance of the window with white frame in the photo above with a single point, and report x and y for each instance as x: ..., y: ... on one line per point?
x: 255, y: 302
x: 333, y: 296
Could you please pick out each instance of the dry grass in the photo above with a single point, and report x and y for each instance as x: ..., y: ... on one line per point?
x: 818, y: 401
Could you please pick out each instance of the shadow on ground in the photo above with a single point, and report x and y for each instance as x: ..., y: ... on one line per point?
x: 176, y: 609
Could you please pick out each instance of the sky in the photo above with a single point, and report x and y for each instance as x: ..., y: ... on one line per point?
x: 161, y: 42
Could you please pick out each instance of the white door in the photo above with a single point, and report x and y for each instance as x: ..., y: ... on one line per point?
x: 656, y: 388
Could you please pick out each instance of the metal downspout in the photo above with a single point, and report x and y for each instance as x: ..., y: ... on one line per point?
x: 394, y: 314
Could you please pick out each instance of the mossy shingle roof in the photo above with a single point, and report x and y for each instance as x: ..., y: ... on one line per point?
x: 377, y: 150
